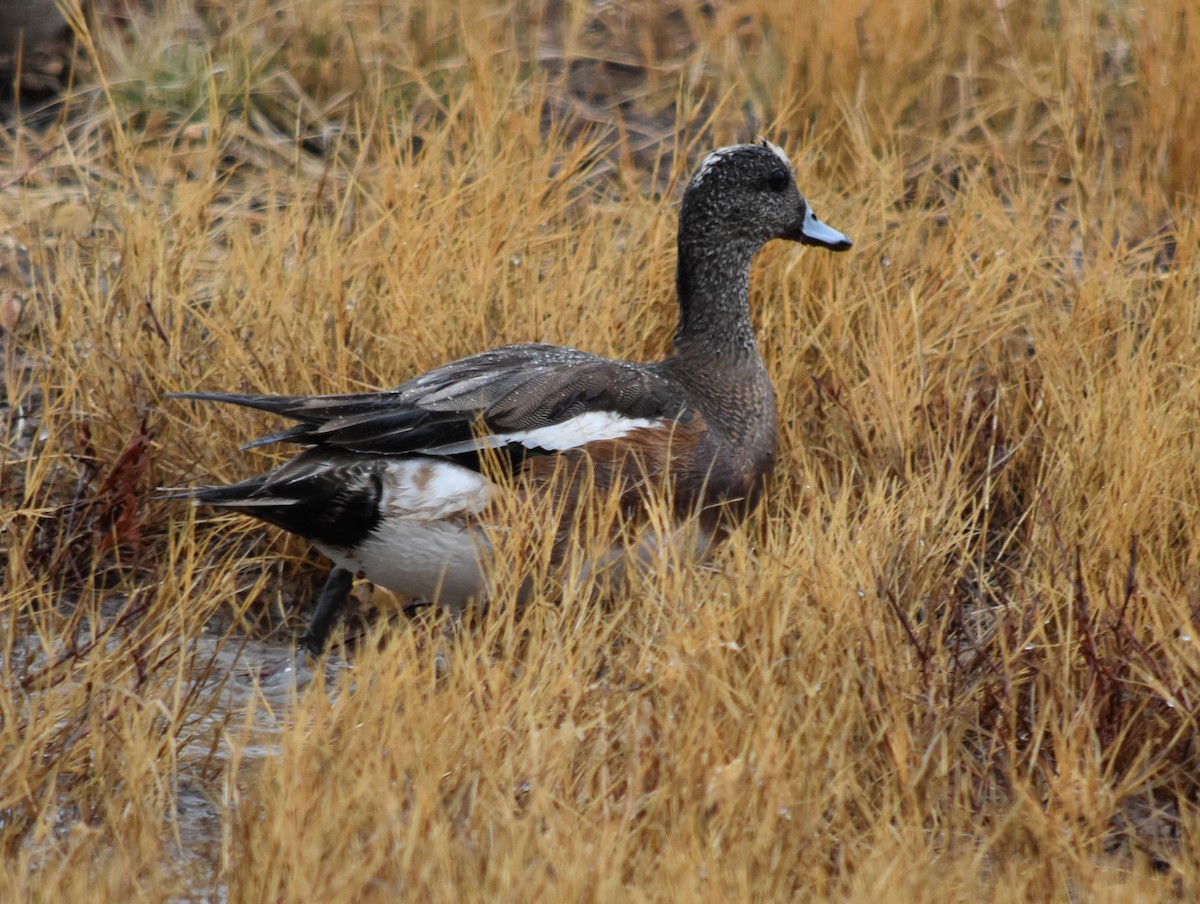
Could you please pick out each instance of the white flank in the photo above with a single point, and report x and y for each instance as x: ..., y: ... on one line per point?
x: 426, y: 489
x: 423, y: 546
x: 440, y: 561
x: 589, y: 427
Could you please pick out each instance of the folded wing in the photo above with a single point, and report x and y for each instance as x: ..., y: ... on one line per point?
x: 528, y: 399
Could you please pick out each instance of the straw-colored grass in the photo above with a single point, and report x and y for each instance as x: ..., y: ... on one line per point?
x: 952, y: 658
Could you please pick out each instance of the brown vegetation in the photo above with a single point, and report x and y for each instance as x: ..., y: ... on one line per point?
x: 953, y: 657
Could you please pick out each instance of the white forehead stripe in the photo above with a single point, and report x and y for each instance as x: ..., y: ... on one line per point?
x: 778, y: 152
x: 707, y: 164
x: 710, y: 161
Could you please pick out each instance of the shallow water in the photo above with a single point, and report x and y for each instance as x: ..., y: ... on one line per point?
x: 250, y: 689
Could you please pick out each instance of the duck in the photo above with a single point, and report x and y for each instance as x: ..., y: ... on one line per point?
x: 401, y: 486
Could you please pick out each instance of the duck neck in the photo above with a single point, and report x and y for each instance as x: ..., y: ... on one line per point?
x: 712, y: 277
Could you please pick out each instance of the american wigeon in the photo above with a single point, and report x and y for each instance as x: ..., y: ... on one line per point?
x: 395, y: 486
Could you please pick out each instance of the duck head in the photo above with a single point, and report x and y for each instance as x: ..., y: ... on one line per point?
x: 748, y: 192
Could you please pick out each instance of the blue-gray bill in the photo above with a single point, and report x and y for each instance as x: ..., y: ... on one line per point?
x: 814, y: 232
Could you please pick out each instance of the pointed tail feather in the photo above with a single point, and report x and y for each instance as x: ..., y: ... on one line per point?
x: 275, y: 404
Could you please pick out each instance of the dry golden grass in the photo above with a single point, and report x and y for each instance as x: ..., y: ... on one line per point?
x: 953, y: 658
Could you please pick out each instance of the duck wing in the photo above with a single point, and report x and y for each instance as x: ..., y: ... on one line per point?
x: 532, y: 398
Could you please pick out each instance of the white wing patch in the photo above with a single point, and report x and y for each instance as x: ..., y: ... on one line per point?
x: 589, y: 427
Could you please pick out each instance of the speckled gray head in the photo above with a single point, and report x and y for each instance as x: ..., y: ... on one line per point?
x: 749, y: 191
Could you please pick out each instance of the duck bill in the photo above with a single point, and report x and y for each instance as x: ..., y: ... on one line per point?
x: 813, y: 232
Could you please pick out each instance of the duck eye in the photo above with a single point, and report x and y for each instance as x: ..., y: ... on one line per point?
x: 778, y: 180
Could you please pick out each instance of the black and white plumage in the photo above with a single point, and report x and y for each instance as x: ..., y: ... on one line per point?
x: 393, y: 485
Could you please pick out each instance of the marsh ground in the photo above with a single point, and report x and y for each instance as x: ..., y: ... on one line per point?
x: 953, y: 658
